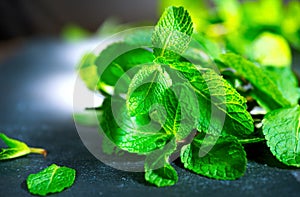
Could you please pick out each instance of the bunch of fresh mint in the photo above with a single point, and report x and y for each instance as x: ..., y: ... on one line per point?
x: 157, y: 99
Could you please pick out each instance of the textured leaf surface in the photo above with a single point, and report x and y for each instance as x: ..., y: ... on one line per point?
x: 172, y: 33
x: 222, y: 108
x: 51, y: 180
x: 219, y: 158
x: 193, y: 8
x: 286, y: 82
x: 146, y: 89
x: 16, y: 148
x: 158, y: 170
x: 265, y: 90
x: 281, y: 129
x: 133, y: 134
x: 181, y: 114
x: 161, y: 177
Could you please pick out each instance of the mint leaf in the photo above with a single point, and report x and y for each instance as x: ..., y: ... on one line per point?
x: 158, y: 170
x: 271, y: 50
x: 192, y: 7
x: 146, y: 89
x: 219, y: 158
x: 172, y: 33
x: 51, y: 180
x: 265, y: 90
x: 217, y: 100
x: 123, y: 63
x: 286, y: 82
x: 17, y: 149
x: 100, y: 71
x: 180, y: 106
x: 281, y: 129
x: 114, y: 62
x: 88, y: 71
x: 134, y: 134
x: 164, y: 176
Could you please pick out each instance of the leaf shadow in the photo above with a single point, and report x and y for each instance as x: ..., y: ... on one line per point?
x: 24, y: 186
x: 261, y: 154
x: 177, y: 162
x: 139, y: 177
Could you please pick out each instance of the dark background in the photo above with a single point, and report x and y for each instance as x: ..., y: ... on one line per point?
x: 48, y: 17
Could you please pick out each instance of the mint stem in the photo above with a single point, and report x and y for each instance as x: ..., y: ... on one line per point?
x: 253, y: 140
x: 39, y: 151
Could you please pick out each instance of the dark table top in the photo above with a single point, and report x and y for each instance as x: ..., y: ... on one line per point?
x: 36, y: 84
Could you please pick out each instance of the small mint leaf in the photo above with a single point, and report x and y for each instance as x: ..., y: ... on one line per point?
x: 158, y: 171
x: 172, y: 33
x: 51, y: 180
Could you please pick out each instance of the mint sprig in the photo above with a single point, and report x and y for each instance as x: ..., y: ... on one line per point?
x: 159, y: 98
x: 17, y: 149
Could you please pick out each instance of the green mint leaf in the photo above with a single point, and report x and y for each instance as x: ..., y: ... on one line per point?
x: 164, y: 176
x: 219, y: 158
x: 158, y: 171
x: 114, y: 62
x: 281, y: 129
x: 102, y: 71
x: 51, y: 180
x: 122, y: 63
x: 134, y: 134
x: 265, y: 91
x: 217, y: 99
x: 146, y: 89
x: 286, y: 82
x: 88, y: 71
x: 17, y: 149
x: 180, y: 106
x: 172, y: 33
x: 271, y: 50
x: 193, y: 8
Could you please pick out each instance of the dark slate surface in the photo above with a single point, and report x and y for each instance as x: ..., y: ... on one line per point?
x: 33, y: 108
